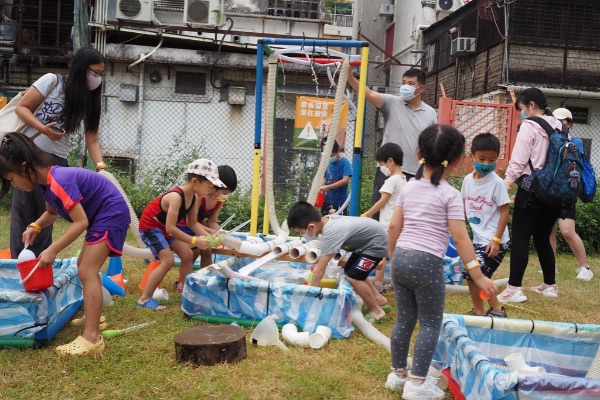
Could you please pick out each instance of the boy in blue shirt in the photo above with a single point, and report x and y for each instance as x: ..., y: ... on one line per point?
x: 337, y: 177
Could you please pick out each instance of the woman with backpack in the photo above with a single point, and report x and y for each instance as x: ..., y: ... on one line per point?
x: 567, y: 223
x: 531, y: 217
x: 66, y: 102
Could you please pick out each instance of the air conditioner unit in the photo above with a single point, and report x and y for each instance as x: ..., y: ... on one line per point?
x: 135, y: 10
x: 462, y: 46
x: 386, y: 9
x: 448, y: 6
x: 203, y: 12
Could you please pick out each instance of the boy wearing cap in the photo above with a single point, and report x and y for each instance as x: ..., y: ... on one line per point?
x: 567, y: 222
x: 158, y: 225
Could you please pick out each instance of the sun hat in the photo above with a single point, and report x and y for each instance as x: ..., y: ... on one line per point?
x: 562, y: 113
x: 207, y: 169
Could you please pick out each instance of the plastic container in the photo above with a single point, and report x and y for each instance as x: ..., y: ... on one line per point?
x: 40, y: 280
x: 320, y: 199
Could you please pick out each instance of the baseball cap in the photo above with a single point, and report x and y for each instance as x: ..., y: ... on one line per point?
x: 207, y: 169
x: 562, y: 113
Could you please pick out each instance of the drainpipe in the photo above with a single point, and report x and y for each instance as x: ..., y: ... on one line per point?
x: 571, y: 94
x: 418, y: 49
x: 140, y: 113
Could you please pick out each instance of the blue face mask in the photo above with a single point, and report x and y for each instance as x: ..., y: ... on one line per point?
x: 484, y: 169
x: 332, y: 159
x: 407, y: 92
x: 310, y: 238
x: 523, y: 116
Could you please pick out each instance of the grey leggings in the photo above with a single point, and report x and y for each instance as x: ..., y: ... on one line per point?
x: 420, y: 292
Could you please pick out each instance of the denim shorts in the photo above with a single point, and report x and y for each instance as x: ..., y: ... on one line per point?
x: 156, y: 240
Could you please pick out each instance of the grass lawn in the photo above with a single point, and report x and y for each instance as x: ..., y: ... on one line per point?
x: 141, y: 364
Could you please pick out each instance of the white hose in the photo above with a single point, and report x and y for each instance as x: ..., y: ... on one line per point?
x: 343, y: 206
x: 465, y: 289
x: 270, y: 138
x: 367, y: 328
x: 129, y: 250
x: 335, y: 119
x: 332, y: 82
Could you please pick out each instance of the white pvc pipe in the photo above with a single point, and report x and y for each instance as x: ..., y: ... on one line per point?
x: 526, y: 326
x: 320, y: 337
x: 465, y: 289
x: 232, y: 242
x: 299, y: 251
x: 256, y: 264
x: 258, y: 249
x: 286, y: 247
x: 571, y: 94
x: 366, y: 328
x: 312, y: 254
x: 223, y: 267
x: 290, y: 334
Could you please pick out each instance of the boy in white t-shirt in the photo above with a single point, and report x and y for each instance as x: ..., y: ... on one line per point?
x: 486, y: 208
x: 389, y: 156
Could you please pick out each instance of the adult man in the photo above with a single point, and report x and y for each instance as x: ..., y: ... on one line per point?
x: 404, y: 116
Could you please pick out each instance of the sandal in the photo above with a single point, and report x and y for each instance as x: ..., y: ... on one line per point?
x: 383, y: 288
x: 386, y: 307
x: 81, y: 347
x: 151, y: 304
x: 81, y: 322
x: 373, y: 320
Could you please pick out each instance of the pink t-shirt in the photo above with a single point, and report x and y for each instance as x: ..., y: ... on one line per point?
x: 427, y: 209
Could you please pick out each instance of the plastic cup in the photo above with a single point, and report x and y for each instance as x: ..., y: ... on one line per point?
x: 483, y: 295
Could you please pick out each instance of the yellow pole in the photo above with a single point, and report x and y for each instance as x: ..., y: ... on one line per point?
x: 255, y: 190
x: 362, y: 90
x: 266, y: 220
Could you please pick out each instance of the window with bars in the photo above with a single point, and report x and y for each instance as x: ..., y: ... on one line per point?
x: 187, y: 82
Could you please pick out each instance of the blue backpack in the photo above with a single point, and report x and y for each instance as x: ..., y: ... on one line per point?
x: 588, y: 176
x: 558, y: 184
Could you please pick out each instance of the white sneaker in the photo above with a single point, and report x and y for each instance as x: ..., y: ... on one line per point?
x: 395, y: 383
x: 585, y: 274
x: 427, y: 391
x: 512, y: 294
x: 546, y: 290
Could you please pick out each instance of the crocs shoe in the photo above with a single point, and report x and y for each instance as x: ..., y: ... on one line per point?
x: 546, y: 290
x: 512, y: 294
x: 498, y: 314
x: 81, y: 322
x: 81, y: 347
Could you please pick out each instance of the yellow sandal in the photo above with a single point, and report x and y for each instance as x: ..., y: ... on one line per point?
x: 81, y: 347
x: 81, y: 322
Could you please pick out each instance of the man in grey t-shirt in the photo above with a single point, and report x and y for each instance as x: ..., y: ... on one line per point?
x: 365, y: 238
x: 405, y: 117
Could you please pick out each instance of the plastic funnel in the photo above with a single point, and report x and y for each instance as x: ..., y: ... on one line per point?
x: 25, y: 255
x: 267, y: 334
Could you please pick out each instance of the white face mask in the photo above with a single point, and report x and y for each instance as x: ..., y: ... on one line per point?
x: 407, y: 92
x: 332, y: 159
x: 308, y: 237
x: 385, y: 170
x: 93, y: 81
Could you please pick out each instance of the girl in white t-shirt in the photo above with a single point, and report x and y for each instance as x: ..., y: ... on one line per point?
x: 389, y: 156
x: 427, y: 212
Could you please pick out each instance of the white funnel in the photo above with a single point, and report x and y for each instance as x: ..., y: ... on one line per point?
x: 266, y: 333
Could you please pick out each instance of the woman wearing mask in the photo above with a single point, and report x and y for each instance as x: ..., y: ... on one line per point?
x: 530, y: 217
x: 66, y: 102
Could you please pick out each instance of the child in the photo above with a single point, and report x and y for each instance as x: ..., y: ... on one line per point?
x: 364, y: 237
x: 427, y: 212
x: 389, y: 156
x: 486, y: 207
x: 86, y: 199
x: 210, y: 207
x: 337, y: 177
x: 159, y: 231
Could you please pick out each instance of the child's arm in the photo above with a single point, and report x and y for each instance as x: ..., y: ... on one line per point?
x: 319, y: 269
x: 464, y: 246
x: 396, y: 225
x: 193, y: 223
x: 79, y: 225
x: 340, y: 183
x: 385, y: 197
x: 46, y: 219
x: 493, y: 247
x: 213, y: 219
x: 172, y: 202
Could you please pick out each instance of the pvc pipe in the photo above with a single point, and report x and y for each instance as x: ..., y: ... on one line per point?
x: 572, y: 94
x: 290, y: 334
x: 312, y: 254
x: 16, y: 342
x: 366, y: 328
x: 221, y: 320
x: 223, y: 267
x: 526, y: 326
x: 465, y: 289
x: 320, y: 337
x: 258, y: 249
x: 286, y: 247
x: 232, y: 242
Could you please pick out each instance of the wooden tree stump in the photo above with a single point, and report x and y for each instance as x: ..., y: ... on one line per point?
x: 210, y: 344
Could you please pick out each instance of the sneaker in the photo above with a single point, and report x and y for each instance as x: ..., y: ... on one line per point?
x: 584, y: 273
x: 546, y: 290
x: 395, y: 383
x: 512, y: 294
x: 498, y: 314
x: 426, y: 391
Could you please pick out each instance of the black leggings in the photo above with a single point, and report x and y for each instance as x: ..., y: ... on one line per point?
x: 531, y: 218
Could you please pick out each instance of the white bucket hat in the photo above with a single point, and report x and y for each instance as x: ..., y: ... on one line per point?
x: 207, y: 169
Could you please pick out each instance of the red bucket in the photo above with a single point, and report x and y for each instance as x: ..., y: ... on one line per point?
x: 40, y: 280
x: 320, y: 199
